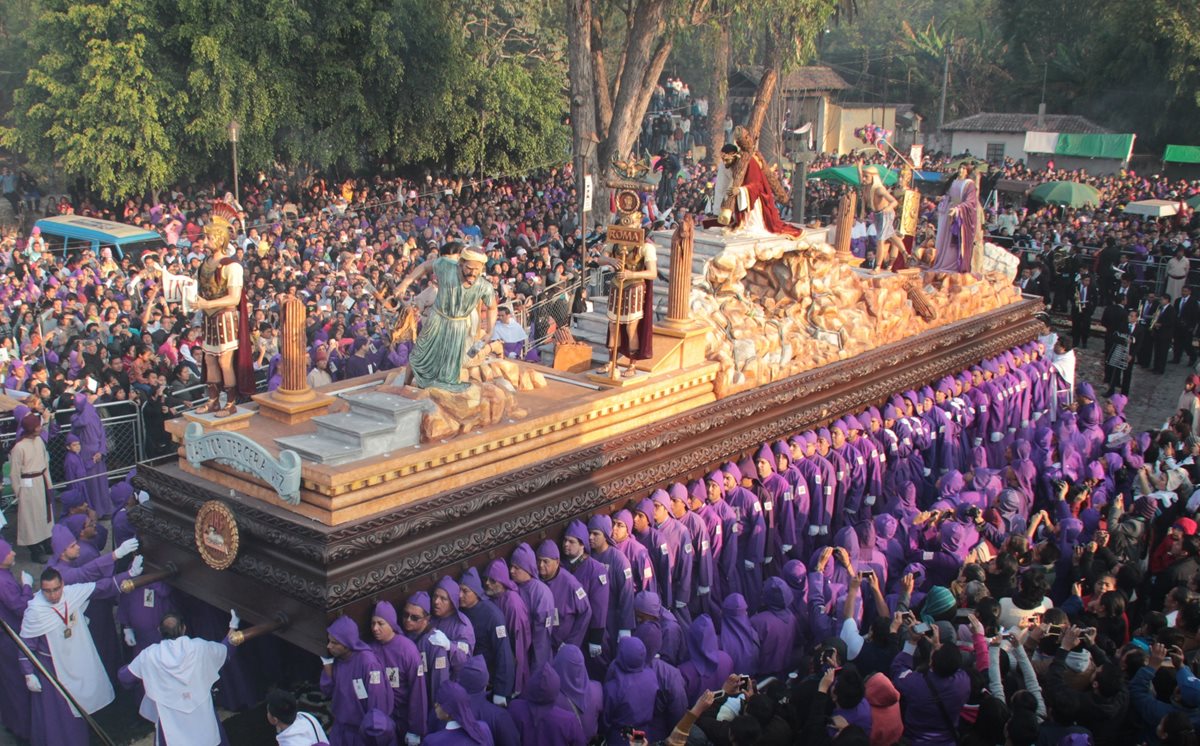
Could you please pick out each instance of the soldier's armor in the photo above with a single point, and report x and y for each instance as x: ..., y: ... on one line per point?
x: 212, y: 283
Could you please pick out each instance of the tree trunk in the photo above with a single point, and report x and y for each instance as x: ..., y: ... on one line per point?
x: 766, y: 89
x: 583, y: 107
x: 646, y: 50
x: 718, y: 100
x: 604, y: 99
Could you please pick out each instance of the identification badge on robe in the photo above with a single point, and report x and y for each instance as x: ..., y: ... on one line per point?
x: 424, y: 663
x: 603, y: 577
x: 687, y: 548
x: 768, y: 506
x: 580, y: 593
x: 501, y: 632
x: 439, y: 662
x: 648, y: 573
x: 817, y: 478
x: 148, y: 598
x: 737, y: 528
x: 360, y: 689
x: 840, y: 475
x: 629, y: 573
x: 704, y: 545
x: 860, y: 460
x: 787, y: 495
x: 554, y: 621
x: 374, y: 677
x: 463, y: 646
x: 717, y: 532
x: 828, y: 490
x: 393, y: 674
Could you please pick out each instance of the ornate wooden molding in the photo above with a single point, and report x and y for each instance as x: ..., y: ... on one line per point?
x: 368, y: 557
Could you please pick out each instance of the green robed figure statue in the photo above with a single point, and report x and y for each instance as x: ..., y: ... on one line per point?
x: 437, y: 357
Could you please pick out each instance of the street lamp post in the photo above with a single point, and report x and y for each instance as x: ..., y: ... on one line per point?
x: 234, y: 130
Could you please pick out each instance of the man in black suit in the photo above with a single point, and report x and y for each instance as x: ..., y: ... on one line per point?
x: 1162, y: 332
x: 1187, y: 315
x: 1128, y: 335
x: 1147, y: 318
x: 1128, y: 292
x: 1083, y: 306
x: 1114, y: 318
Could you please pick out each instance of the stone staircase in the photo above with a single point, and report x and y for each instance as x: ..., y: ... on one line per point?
x: 377, y: 423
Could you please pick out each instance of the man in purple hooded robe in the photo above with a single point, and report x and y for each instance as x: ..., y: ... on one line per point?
x: 703, y: 567
x: 640, y: 562
x: 540, y: 602
x: 86, y: 425
x: 707, y: 665
x: 14, y: 597
x: 738, y: 637
x: 677, y: 541
x: 620, y: 620
x: 517, y: 620
x: 403, y: 670
x: 649, y: 609
x: 822, y: 482
x: 452, y: 705
x: 449, y: 620
x: 579, y: 694
x: 774, y: 490
x: 671, y: 701
x: 722, y: 520
x: 572, y: 610
x: 540, y: 720
x: 593, y: 578
x: 750, y: 530
x: 630, y: 690
x: 473, y: 677
x: 439, y: 655
x: 491, y: 634
x: 776, y: 629
x: 355, y: 681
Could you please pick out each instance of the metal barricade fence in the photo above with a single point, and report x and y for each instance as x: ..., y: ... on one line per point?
x: 123, y: 428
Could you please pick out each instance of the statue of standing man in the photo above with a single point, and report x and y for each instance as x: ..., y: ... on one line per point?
x: 226, y: 345
x: 883, y: 205
x: 442, y: 344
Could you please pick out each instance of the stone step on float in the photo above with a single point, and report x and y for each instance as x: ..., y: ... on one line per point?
x: 386, y: 407
x: 321, y: 449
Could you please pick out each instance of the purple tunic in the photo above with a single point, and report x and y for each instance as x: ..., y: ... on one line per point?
x: 738, y: 637
x: 404, y: 673
x: 708, y: 665
x: 539, y: 718
x: 540, y: 602
x: 14, y: 697
x: 630, y: 691
x: 579, y: 694
x: 142, y: 611
x: 572, y: 611
x: 86, y: 425
x: 360, y: 692
x: 776, y: 629
x: 516, y: 620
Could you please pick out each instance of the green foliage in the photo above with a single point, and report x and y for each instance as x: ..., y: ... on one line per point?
x: 135, y: 94
x: 93, y: 100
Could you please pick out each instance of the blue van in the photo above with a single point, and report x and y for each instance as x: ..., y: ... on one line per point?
x: 74, y: 233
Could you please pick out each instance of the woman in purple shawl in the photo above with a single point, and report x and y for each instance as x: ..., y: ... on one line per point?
x: 738, y: 637
x: 452, y: 704
x: 776, y: 629
x: 708, y: 665
x: 86, y: 425
x: 578, y: 693
x: 630, y: 690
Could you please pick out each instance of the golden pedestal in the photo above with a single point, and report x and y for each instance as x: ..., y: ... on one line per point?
x: 291, y: 408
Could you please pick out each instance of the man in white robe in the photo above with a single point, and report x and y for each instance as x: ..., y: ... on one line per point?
x: 178, y: 675
x: 56, y: 631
